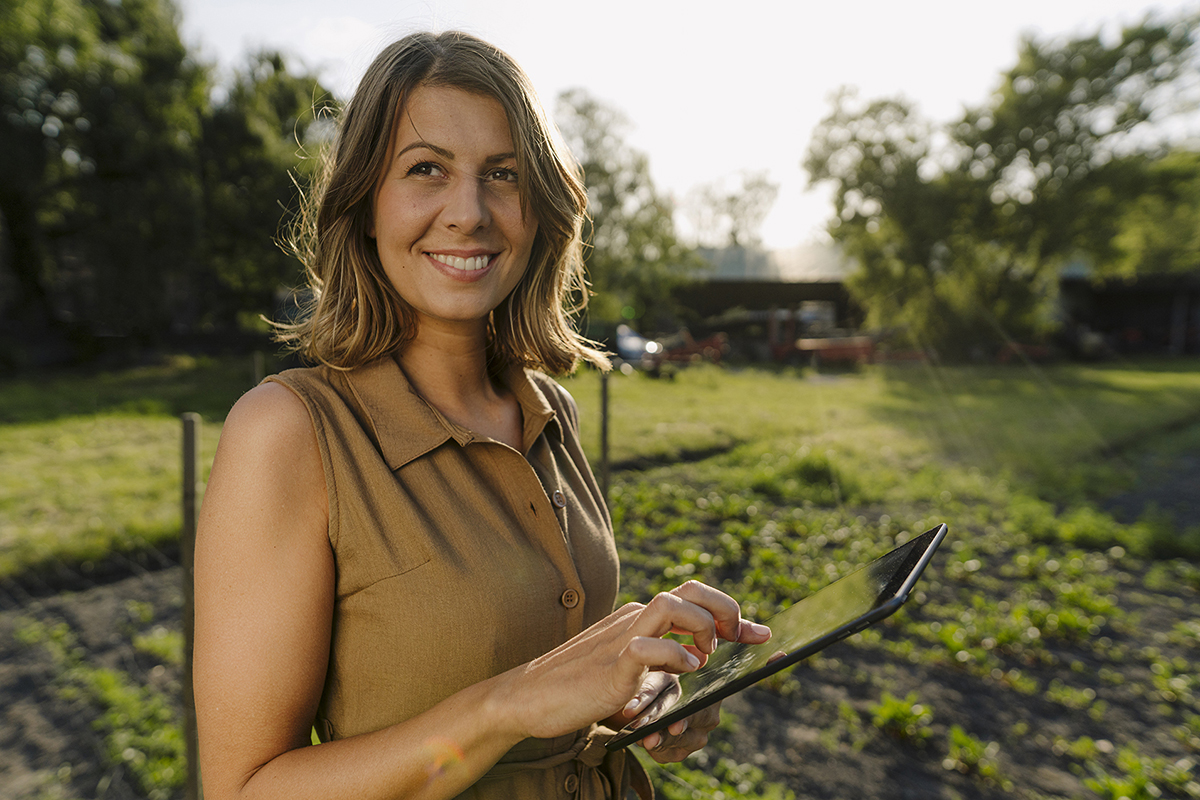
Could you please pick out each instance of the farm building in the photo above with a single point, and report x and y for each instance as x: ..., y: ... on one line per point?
x: 766, y: 301
x: 1152, y: 314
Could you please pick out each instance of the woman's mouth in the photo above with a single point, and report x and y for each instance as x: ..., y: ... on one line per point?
x: 464, y: 264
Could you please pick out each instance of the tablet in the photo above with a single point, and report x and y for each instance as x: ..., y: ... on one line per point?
x: 846, y: 606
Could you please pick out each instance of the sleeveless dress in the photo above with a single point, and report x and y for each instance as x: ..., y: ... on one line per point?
x: 458, y: 558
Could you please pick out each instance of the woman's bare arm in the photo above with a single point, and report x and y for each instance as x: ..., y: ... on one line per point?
x: 264, y: 602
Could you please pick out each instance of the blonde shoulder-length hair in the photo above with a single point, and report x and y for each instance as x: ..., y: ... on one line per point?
x: 355, y: 315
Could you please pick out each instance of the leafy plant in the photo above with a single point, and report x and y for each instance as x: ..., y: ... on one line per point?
x: 973, y: 757
x: 164, y: 644
x: 905, y: 719
x: 724, y: 778
x: 1143, y: 778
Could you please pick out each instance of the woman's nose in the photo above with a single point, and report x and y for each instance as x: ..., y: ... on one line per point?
x: 466, y: 207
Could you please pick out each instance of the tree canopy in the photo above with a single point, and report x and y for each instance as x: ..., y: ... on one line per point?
x: 960, y: 231
x: 253, y: 155
x: 730, y: 212
x: 133, y: 205
x: 635, y: 258
x: 143, y: 195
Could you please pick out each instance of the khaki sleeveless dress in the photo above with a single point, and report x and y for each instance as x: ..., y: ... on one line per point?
x: 458, y: 558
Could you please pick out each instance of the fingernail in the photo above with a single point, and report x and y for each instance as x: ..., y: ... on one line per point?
x: 759, y: 630
x: 692, y: 661
x: 634, y: 704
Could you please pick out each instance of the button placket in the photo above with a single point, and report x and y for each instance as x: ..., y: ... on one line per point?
x: 571, y: 598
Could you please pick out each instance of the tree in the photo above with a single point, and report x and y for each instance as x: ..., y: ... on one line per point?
x: 730, y: 213
x: 132, y: 205
x: 919, y: 271
x: 253, y: 157
x: 960, y: 243
x: 100, y: 109
x: 1050, y: 140
x: 635, y: 258
x: 41, y: 45
x: 1158, y: 229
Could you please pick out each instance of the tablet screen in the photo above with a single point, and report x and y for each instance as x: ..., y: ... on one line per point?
x: 843, y: 607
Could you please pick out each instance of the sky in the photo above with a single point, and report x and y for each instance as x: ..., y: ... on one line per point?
x: 711, y: 88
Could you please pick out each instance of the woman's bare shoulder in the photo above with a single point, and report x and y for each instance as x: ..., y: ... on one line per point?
x: 269, y: 415
x: 269, y: 449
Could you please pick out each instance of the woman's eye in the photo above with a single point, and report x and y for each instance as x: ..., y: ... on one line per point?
x: 502, y: 174
x: 425, y: 168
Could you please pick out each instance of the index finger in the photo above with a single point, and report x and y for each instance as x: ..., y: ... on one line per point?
x: 726, y: 614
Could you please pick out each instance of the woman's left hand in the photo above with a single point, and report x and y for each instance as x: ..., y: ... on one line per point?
x: 684, y: 737
x: 681, y: 738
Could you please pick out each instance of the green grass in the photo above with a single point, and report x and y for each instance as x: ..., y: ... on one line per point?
x: 1049, y: 428
x: 208, y: 386
x: 78, y: 488
x: 92, y: 464
x: 89, y: 463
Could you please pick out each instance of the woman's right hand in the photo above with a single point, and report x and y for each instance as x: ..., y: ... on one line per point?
x: 594, y: 675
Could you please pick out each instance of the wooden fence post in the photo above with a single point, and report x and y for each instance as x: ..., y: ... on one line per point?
x: 187, y: 548
x: 604, y: 434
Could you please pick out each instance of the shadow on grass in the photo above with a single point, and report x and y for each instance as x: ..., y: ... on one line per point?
x: 682, y: 456
x: 26, y: 575
x: 1016, y: 417
x: 208, y: 386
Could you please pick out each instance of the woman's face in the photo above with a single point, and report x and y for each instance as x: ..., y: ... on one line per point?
x: 447, y: 214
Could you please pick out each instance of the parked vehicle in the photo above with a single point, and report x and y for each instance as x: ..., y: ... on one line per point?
x: 664, y: 356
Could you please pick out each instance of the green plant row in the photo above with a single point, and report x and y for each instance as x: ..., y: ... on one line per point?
x: 139, y: 726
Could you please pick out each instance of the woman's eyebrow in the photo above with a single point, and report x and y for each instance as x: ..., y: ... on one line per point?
x: 449, y: 154
x: 441, y: 151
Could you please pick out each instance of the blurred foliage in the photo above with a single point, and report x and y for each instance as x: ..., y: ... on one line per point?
x: 729, y: 213
x: 99, y: 109
x: 960, y: 233
x: 138, y: 724
x: 256, y: 141
x: 635, y: 258
x: 1160, y: 228
x: 133, y: 205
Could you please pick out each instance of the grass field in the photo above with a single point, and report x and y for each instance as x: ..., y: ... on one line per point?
x: 90, y: 463
x: 1044, y: 426
x: 769, y: 484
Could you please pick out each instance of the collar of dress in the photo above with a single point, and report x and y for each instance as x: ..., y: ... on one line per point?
x: 406, y: 426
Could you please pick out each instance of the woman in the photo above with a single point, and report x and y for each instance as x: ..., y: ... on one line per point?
x: 404, y: 547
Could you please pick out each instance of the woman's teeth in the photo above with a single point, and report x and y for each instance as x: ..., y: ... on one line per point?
x: 465, y: 264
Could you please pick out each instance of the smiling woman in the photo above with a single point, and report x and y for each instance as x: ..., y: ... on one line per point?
x: 404, y: 546
x: 357, y: 315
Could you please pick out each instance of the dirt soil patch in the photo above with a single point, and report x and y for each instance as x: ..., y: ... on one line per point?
x: 49, y: 744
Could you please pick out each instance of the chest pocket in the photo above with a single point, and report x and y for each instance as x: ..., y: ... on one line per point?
x: 381, y: 532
